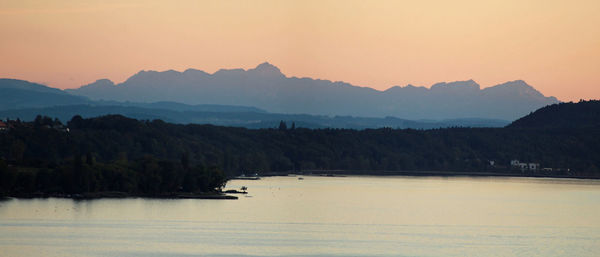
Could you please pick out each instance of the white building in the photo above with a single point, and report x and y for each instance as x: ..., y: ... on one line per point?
x: 525, y: 166
x: 534, y: 166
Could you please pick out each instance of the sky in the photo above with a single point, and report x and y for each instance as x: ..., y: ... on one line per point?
x: 552, y: 45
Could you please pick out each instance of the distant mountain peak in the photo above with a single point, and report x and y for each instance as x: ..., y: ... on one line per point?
x: 225, y: 72
x: 457, y: 85
x: 518, y: 88
x: 105, y: 82
x: 95, y: 89
x: 101, y: 83
x: 141, y: 72
x: 516, y: 83
x: 150, y: 76
x: 194, y: 71
x: 407, y: 89
x: 268, y: 69
x: 266, y: 65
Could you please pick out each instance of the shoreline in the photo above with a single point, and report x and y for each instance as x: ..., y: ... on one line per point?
x: 225, y: 195
x: 122, y: 195
x: 341, y: 173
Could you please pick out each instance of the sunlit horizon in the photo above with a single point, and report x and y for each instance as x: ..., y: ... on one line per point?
x: 553, y: 46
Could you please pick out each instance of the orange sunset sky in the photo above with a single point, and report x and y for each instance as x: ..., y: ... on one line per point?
x: 552, y: 45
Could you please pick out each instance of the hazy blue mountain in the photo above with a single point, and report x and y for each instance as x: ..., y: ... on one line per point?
x: 241, y: 119
x: 16, y: 93
x: 6, y: 83
x: 98, y: 89
x: 265, y: 87
x: 173, y: 106
x: 25, y: 100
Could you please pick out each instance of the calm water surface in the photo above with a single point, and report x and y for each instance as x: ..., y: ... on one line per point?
x: 321, y: 216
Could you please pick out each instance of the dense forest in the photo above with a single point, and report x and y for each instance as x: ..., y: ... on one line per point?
x: 47, y: 158
x: 584, y: 114
x: 115, y: 153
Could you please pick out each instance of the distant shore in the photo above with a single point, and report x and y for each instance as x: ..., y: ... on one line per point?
x: 225, y: 195
x: 338, y: 173
x: 101, y: 195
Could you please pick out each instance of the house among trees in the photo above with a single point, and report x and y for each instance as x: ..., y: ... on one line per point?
x: 534, y: 166
x: 3, y: 126
x: 525, y: 166
x: 60, y: 127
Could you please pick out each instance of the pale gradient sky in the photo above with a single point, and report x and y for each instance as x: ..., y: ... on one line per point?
x: 552, y: 45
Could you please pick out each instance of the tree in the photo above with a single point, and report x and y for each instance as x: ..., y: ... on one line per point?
x: 185, y: 160
x: 282, y: 125
x: 76, y: 121
x: 16, y: 150
x: 89, y: 159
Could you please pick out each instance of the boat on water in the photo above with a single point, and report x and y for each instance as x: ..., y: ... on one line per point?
x: 244, y: 177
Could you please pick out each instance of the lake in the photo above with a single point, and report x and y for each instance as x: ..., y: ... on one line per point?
x: 321, y: 216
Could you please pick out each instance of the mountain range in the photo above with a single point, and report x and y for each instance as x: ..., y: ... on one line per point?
x: 267, y: 88
x: 15, y: 94
x: 263, y: 96
x: 35, y: 99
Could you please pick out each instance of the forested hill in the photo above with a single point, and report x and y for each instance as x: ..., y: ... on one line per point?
x: 123, y: 154
x: 584, y: 114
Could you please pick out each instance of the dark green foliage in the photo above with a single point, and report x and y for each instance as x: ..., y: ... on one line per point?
x: 114, y: 153
x: 37, y: 157
x: 147, y: 176
x: 282, y: 125
x: 585, y: 114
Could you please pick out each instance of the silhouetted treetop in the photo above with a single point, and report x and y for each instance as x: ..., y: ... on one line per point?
x: 584, y: 114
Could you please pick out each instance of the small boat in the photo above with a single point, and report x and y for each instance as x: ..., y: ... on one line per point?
x: 300, y: 178
x: 244, y: 177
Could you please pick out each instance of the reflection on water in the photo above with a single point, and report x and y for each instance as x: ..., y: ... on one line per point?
x: 321, y: 216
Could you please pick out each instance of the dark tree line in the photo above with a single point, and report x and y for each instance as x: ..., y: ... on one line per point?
x: 115, y: 153
x: 584, y: 114
x: 42, y: 156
